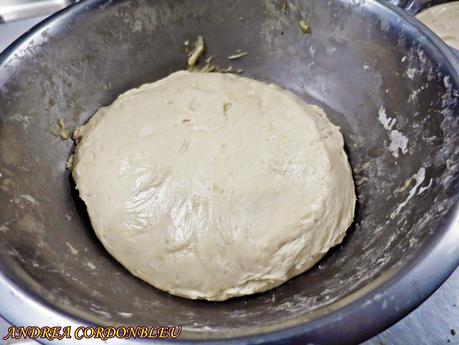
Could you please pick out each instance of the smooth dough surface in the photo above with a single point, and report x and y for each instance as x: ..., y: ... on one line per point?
x: 444, y: 21
x: 212, y: 186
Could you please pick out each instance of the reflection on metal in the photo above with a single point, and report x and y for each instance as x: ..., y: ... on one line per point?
x: 19, y: 9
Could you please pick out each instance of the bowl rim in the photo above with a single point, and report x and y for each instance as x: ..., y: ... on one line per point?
x: 405, y: 285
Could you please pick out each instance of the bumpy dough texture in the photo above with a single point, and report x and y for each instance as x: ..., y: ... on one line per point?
x: 212, y: 186
x: 444, y: 21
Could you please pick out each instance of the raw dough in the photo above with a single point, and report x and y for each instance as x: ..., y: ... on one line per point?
x: 210, y: 185
x: 444, y: 21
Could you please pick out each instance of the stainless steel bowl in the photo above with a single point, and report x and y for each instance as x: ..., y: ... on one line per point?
x: 365, y: 63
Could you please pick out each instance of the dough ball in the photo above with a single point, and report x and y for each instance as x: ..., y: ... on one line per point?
x: 444, y: 21
x: 212, y: 186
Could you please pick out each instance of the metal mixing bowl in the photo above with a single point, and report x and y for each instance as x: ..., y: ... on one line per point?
x: 390, y: 84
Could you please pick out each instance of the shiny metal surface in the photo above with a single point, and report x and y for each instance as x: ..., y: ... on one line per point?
x: 9, y: 32
x: 415, y: 6
x: 431, y: 323
x: 391, y: 284
x: 11, y: 10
